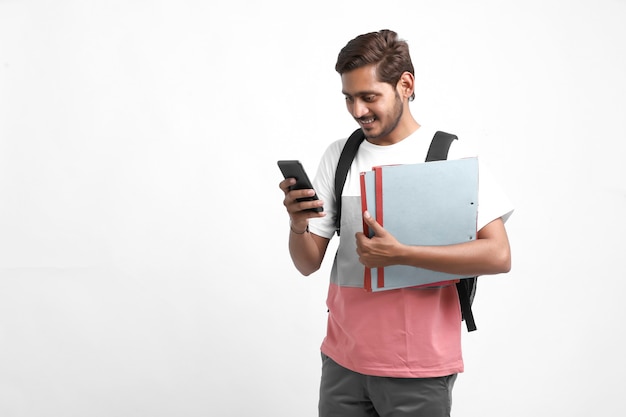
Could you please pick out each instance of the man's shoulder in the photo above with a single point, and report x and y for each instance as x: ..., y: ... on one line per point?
x: 333, y: 151
x: 462, y: 148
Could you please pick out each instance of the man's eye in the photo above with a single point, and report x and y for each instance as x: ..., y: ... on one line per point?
x: 369, y: 99
x: 349, y: 99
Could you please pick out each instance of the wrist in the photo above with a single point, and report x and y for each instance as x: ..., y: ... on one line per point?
x: 402, y: 254
x: 296, y: 230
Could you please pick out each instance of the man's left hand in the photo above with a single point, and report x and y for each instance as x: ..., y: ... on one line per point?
x: 381, y: 250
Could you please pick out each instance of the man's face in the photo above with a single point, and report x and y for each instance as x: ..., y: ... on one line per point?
x: 375, y: 105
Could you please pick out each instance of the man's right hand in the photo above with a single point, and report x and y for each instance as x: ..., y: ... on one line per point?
x: 307, y: 249
x: 298, y: 211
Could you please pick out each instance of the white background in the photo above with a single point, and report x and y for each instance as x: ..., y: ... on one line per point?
x: 143, y: 260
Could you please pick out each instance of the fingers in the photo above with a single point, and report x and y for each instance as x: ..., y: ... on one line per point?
x: 378, y: 250
x: 373, y: 224
x: 298, y: 202
x: 286, y: 183
x: 304, y: 209
x: 364, y: 250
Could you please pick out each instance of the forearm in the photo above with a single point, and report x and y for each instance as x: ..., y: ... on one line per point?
x: 479, y: 257
x: 488, y: 254
x: 306, y: 250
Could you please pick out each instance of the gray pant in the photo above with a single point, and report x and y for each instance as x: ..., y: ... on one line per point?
x: 344, y: 393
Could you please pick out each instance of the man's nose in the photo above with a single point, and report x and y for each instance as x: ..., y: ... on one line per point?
x: 359, y: 109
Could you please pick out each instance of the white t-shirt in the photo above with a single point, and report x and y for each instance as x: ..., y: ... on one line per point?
x: 398, y: 333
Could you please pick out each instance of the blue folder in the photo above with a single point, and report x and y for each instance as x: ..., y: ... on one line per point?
x: 430, y: 204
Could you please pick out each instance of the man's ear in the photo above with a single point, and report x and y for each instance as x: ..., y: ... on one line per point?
x: 406, y: 84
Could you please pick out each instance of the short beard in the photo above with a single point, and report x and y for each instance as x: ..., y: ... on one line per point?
x: 396, y: 115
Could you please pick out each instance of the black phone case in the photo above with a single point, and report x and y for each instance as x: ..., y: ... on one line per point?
x: 294, y: 169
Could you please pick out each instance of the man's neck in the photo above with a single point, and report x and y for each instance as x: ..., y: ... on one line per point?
x: 401, y: 132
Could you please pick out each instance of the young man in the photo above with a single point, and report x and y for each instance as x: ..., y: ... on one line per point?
x: 390, y: 353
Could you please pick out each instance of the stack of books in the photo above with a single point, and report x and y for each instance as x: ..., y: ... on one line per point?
x: 426, y: 204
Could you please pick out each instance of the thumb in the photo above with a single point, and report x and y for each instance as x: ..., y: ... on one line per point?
x: 372, y: 223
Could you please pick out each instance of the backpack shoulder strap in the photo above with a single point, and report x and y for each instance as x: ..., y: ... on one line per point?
x: 343, y: 166
x: 466, y: 288
x: 439, y: 146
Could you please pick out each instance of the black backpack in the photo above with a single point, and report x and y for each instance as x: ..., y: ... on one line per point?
x: 437, y: 151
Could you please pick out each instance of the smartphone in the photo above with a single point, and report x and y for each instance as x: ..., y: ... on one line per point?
x: 294, y: 169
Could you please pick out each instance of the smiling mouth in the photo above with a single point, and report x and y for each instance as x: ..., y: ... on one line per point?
x: 367, y: 121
